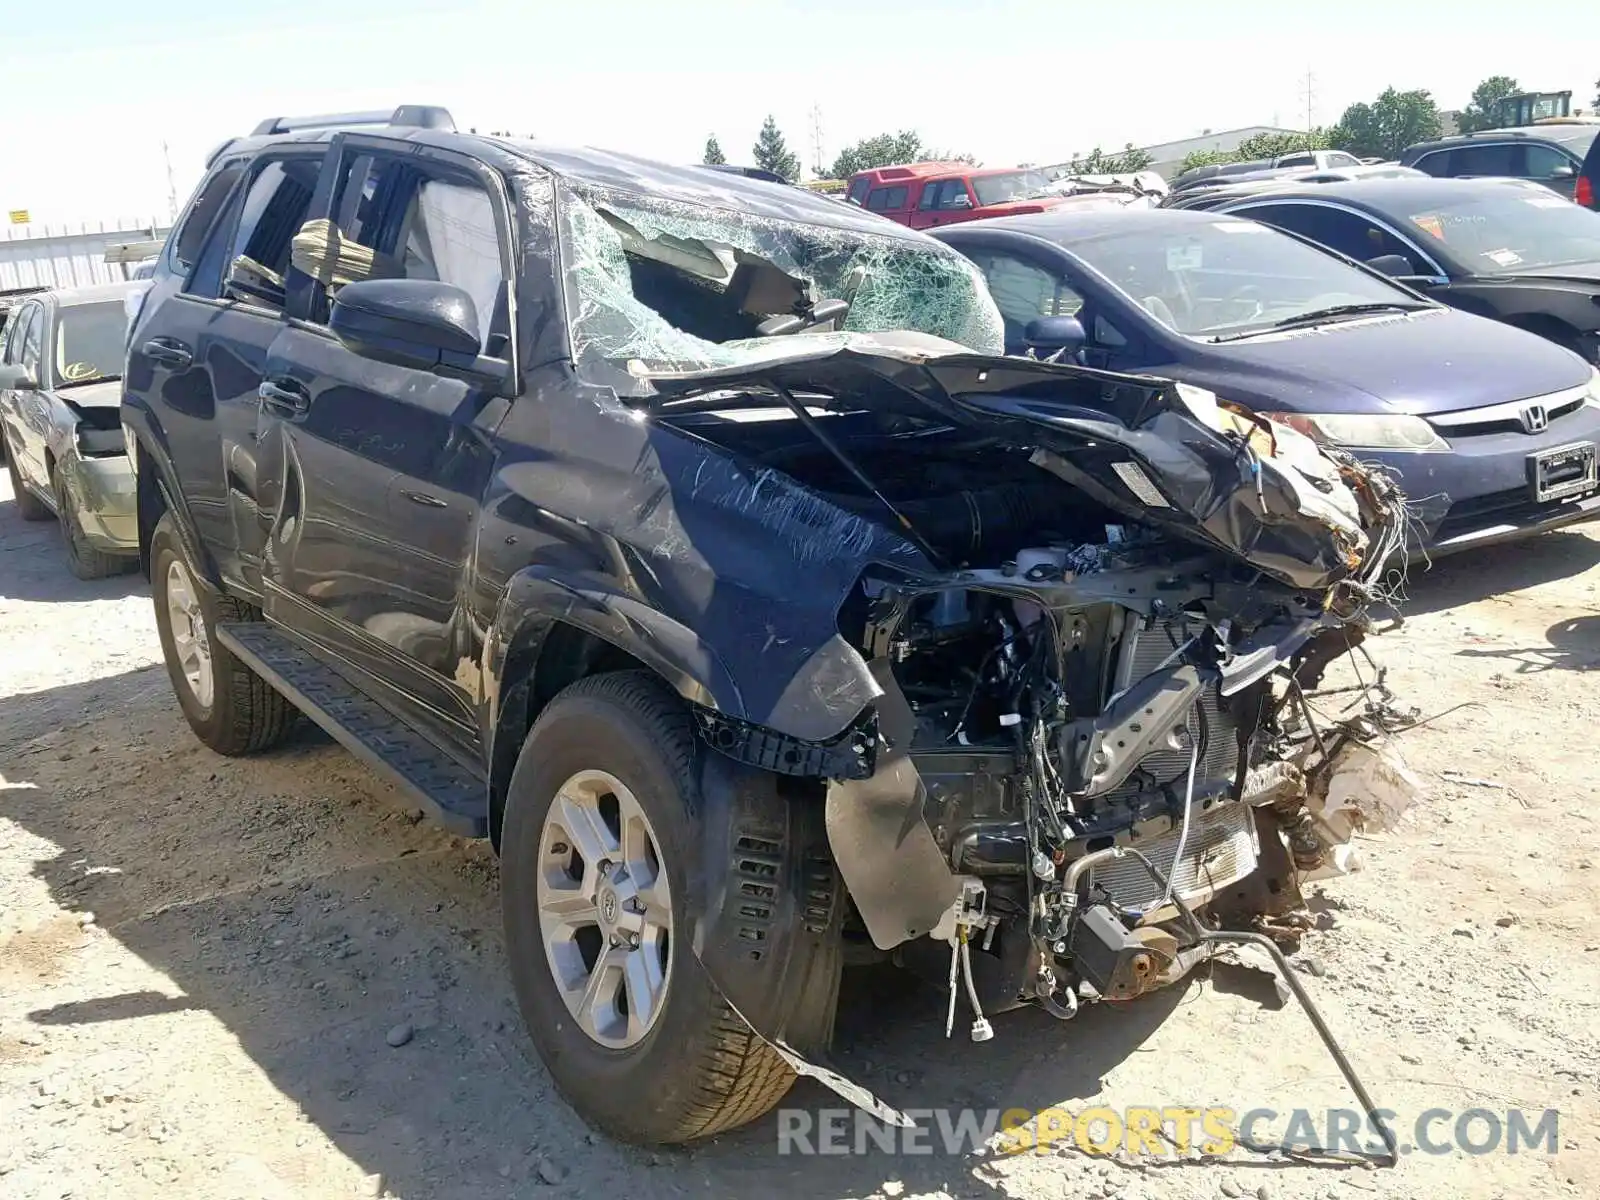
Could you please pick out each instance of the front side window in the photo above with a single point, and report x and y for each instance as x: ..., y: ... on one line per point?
x: 653, y: 285
x: 1511, y: 228
x: 1228, y: 275
x: 89, y: 342
x: 946, y: 195
x: 405, y: 218
x: 1351, y: 234
x: 858, y: 190
x: 33, y: 340
x: 1542, y: 162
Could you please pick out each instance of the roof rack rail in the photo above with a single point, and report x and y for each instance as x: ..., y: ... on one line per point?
x: 417, y: 116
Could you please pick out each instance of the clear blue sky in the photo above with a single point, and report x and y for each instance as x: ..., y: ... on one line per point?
x: 94, y: 86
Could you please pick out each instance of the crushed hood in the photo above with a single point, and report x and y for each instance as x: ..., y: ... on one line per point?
x: 93, y: 395
x: 1161, y: 453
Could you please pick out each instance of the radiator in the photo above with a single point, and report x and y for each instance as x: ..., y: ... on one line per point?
x: 1221, y: 850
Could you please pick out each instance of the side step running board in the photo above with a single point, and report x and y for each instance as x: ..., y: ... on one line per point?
x: 450, y: 793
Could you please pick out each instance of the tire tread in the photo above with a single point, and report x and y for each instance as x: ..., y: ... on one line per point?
x: 741, y: 1077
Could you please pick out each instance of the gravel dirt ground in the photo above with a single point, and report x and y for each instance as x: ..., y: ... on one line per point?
x: 206, y: 964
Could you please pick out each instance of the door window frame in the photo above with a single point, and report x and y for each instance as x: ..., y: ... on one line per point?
x: 1435, y: 274
x: 344, y: 151
x: 226, y: 226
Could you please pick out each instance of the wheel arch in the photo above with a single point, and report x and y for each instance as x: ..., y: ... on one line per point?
x: 554, y: 629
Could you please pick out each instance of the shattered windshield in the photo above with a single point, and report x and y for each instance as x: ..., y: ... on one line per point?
x: 655, y: 285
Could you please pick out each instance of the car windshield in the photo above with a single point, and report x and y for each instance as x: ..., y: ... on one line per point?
x: 1204, y: 278
x: 1511, y: 229
x: 656, y: 285
x: 1013, y: 185
x: 90, y: 339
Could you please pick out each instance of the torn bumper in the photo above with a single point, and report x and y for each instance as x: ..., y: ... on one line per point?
x: 106, y: 494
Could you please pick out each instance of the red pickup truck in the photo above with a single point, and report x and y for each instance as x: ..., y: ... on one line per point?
x: 922, y: 195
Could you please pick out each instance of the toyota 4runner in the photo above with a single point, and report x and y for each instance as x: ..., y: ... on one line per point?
x: 692, y: 539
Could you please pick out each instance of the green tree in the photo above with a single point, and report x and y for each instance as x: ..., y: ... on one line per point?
x: 1275, y: 145
x: 1119, y: 162
x: 884, y: 150
x: 1479, y: 113
x: 772, y: 153
x: 1258, y: 146
x: 888, y: 150
x: 1387, y: 126
x: 1597, y: 95
x: 714, y: 153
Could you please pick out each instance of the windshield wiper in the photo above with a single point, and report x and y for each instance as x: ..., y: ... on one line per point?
x: 71, y: 383
x: 1319, y: 315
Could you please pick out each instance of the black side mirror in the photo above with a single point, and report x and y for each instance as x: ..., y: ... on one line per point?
x: 1055, y: 335
x: 408, y: 322
x: 1397, y: 266
x: 16, y: 378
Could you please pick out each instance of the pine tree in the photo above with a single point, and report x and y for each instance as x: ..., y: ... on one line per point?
x: 713, y: 152
x: 772, y: 154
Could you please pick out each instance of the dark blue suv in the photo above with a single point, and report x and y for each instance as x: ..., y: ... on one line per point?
x: 1491, y: 430
x: 693, y: 539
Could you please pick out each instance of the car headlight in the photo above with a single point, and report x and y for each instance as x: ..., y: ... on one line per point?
x: 1366, y: 431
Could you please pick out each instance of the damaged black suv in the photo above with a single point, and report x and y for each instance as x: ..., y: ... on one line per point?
x: 690, y: 537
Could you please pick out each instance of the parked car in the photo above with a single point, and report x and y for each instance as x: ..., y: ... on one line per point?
x: 60, y: 363
x: 1505, y: 249
x: 1490, y: 430
x: 1212, y: 192
x: 713, y: 561
x: 1562, y: 156
x: 923, y: 195
x: 1316, y: 160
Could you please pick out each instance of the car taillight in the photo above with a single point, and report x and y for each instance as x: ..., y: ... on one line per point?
x: 1584, y: 192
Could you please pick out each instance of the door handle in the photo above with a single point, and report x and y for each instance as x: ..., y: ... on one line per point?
x: 171, y: 353
x: 284, y: 397
x: 424, y: 499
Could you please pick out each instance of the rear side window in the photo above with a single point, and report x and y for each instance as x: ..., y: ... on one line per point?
x: 1495, y: 159
x: 1435, y: 162
x: 203, y: 215
x: 858, y: 190
x: 886, y: 199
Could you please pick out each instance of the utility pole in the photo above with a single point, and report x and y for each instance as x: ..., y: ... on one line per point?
x: 816, y: 140
x: 1310, y: 96
x: 172, y: 188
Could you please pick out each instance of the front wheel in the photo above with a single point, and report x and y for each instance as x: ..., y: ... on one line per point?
x: 83, y: 560
x: 229, y: 707
x: 600, y: 880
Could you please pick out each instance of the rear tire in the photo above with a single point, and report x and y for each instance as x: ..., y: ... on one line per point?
x: 29, y: 506
x: 83, y: 560
x: 229, y: 707
x: 697, y: 1069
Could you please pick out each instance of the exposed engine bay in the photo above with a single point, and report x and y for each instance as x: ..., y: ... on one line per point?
x: 1092, y: 760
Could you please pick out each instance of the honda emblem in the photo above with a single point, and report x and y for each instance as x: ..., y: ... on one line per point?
x: 1535, y: 418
